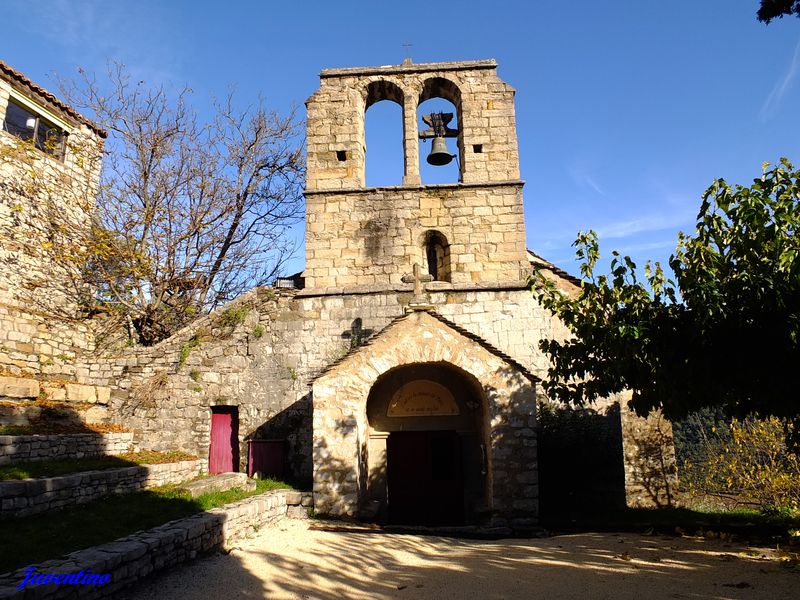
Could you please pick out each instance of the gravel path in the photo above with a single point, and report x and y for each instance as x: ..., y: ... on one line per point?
x: 301, y: 559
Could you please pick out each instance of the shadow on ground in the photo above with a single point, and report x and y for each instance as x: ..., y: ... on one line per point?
x: 292, y: 562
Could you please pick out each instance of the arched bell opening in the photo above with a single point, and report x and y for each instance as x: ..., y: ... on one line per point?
x: 384, y: 138
x: 437, y: 255
x: 441, y: 145
x: 427, y: 451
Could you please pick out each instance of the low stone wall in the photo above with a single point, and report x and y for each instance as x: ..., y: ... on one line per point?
x: 22, y: 498
x: 24, y: 448
x: 132, y: 558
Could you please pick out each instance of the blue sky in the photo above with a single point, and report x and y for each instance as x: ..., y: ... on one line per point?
x: 626, y: 111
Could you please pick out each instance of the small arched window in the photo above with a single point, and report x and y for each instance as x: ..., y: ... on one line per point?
x: 437, y: 256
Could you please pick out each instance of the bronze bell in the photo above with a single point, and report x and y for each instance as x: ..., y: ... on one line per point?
x: 439, y: 155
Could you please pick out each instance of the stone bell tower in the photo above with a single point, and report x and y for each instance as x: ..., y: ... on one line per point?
x: 466, y: 233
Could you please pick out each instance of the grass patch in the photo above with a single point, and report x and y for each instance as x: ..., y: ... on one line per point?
x: 44, y: 428
x: 54, y: 468
x: 43, y: 537
x: 15, y: 430
x: 186, y: 349
x: 232, y: 316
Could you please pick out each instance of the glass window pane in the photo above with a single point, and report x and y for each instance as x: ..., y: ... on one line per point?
x: 48, y: 139
x: 19, y: 121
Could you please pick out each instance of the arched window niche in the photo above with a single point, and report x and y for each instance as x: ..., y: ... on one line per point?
x: 437, y: 255
x: 384, y: 140
x: 440, y: 95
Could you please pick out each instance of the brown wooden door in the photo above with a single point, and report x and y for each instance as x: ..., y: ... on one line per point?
x: 223, y: 454
x: 425, y: 482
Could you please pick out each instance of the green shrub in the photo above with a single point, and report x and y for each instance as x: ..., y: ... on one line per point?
x: 233, y: 316
x: 747, y: 459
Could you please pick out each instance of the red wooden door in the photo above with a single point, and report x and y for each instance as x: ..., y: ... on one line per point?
x: 425, y: 482
x: 223, y: 453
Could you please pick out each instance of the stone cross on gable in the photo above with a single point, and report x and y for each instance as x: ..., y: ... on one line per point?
x: 420, y: 301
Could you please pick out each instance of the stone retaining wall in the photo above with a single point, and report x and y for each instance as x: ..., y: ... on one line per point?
x: 25, y: 497
x: 25, y: 448
x: 132, y: 558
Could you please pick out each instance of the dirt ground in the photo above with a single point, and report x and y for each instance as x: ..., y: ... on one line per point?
x: 300, y: 559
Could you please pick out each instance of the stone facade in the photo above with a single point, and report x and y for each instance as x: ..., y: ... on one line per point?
x: 320, y: 367
x: 46, y: 197
x: 22, y: 498
x: 507, y: 394
x: 366, y: 236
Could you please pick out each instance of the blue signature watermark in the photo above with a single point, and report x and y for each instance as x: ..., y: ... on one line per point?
x: 80, y: 578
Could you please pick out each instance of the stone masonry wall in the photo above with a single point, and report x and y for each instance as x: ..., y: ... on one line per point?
x: 365, y: 236
x: 264, y: 364
x: 36, y: 344
x: 45, y: 202
x: 374, y: 236
x: 22, y: 498
x: 651, y: 476
x: 23, y: 448
x: 133, y: 558
x: 341, y: 429
x: 483, y: 102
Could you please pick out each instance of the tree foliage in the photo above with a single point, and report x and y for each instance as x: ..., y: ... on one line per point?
x: 742, y: 461
x: 190, y: 213
x: 777, y: 9
x: 724, y: 331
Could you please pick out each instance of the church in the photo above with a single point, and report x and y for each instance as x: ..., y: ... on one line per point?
x: 398, y: 375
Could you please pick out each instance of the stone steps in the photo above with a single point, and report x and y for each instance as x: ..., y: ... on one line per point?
x: 139, y: 555
x: 219, y: 483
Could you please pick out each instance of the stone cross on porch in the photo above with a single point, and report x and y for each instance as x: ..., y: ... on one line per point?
x: 420, y: 300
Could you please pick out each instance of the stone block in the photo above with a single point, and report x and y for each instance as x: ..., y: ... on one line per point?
x: 217, y: 483
x: 293, y: 497
x: 54, y: 393
x: 103, y: 394
x: 80, y: 393
x: 19, y: 387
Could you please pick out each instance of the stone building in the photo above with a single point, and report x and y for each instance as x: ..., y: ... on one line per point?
x: 50, y: 158
x: 399, y: 375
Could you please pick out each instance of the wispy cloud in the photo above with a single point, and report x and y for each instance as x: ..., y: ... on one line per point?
x: 662, y: 245
x: 773, y: 101
x: 644, y: 224
x: 91, y: 33
x: 583, y: 178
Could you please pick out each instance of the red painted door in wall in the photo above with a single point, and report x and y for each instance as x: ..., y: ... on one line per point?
x: 223, y: 453
x: 425, y: 481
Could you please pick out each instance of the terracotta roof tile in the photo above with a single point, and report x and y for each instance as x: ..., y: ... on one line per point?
x: 40, y: 91
x: 539, y: 262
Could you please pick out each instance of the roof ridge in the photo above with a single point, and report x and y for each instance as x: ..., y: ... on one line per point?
x: 458, y: 328
x: 50, y: 97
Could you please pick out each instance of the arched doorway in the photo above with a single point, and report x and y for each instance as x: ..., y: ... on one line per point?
x: 427, y: 446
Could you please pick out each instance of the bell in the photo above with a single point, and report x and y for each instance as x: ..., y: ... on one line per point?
x: 439, y: 155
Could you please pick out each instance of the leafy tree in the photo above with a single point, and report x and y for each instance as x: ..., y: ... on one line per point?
x: 189, y: 213
x: 777, y: 9
x: 725, y: 332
